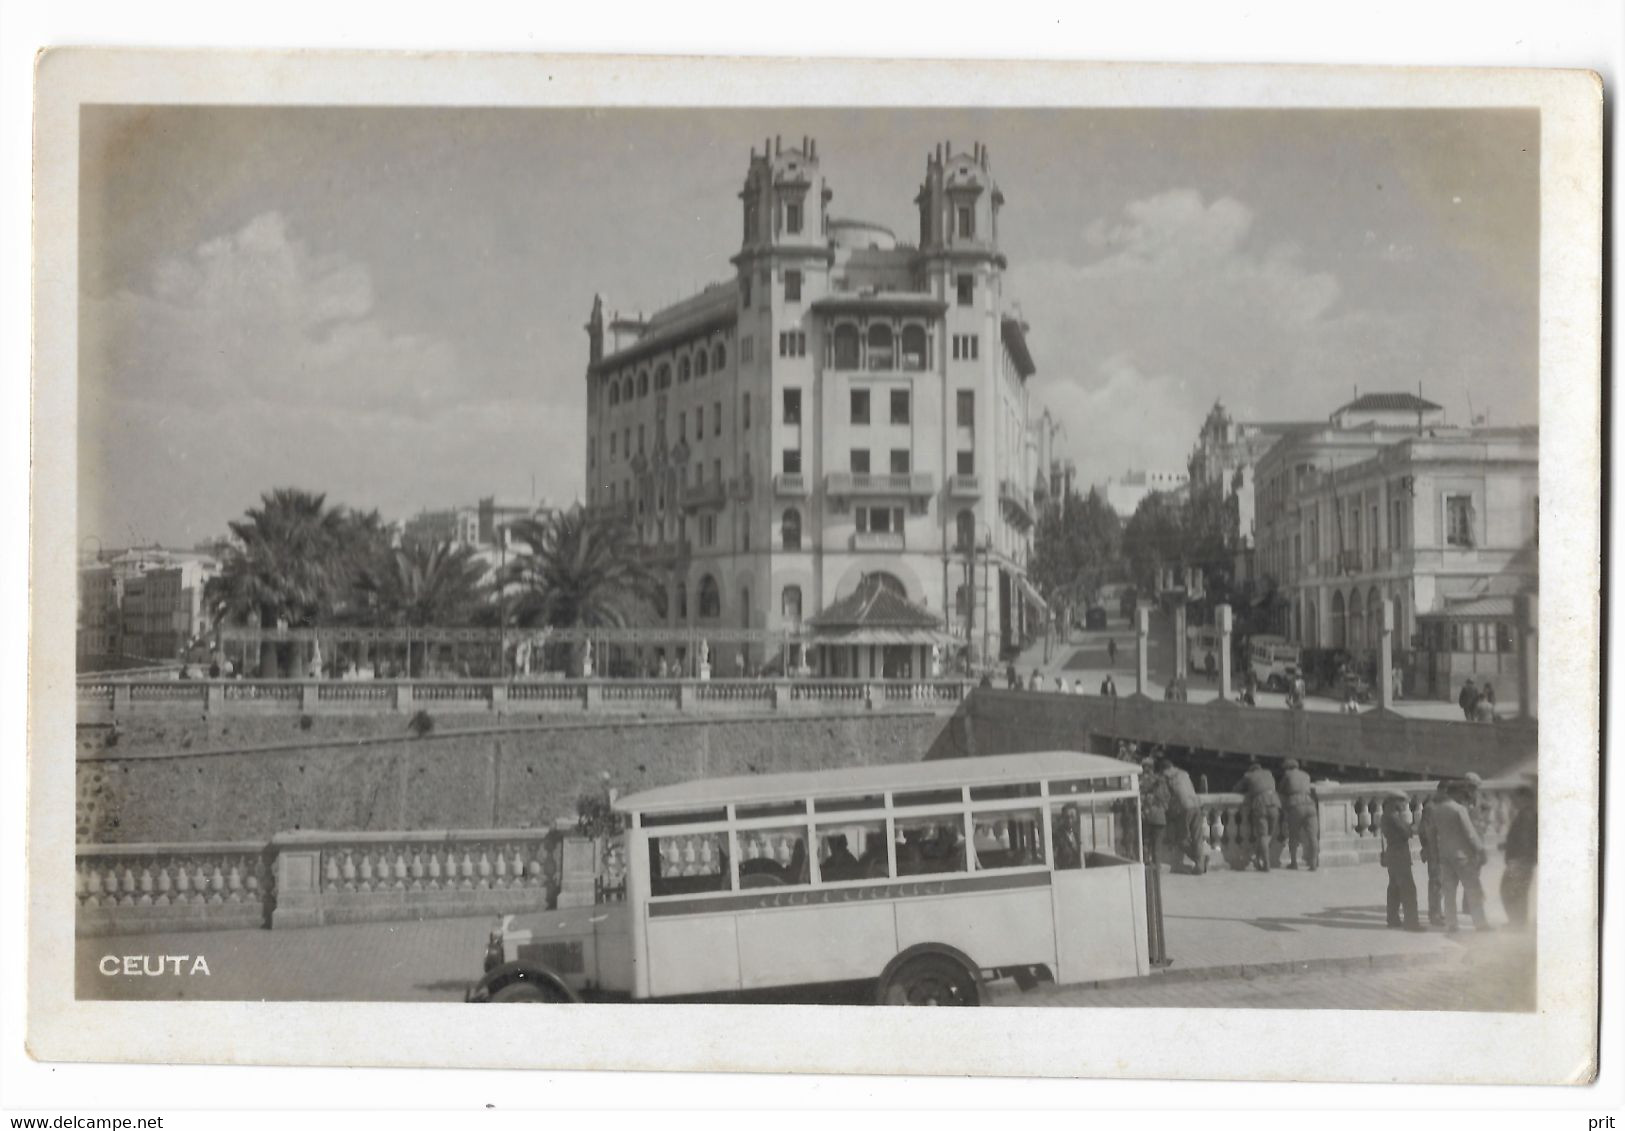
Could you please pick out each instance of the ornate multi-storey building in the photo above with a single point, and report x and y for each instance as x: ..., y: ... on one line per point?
x: 847, y: 406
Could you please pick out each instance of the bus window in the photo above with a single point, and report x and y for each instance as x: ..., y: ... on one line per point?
x: 855, y: 851
x: 773, y: 857
x: 687, y: 863
x: 1066, y: 836
x: 1007, y: 839
x: 930, y: 844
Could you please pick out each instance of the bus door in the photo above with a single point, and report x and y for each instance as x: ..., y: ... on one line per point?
x: 1098, y: 889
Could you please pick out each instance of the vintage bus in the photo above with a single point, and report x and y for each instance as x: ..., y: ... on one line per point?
x: 1274, y: 662
x: 926, y: 879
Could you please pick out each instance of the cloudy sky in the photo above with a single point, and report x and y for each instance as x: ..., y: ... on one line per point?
x: 387, y: 304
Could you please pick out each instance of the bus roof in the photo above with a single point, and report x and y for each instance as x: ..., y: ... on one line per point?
x: 858, y: 780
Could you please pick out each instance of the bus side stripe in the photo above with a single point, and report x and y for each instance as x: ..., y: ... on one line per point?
x: 770, y: 898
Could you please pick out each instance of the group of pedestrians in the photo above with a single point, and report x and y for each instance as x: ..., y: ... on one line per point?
x: 1451, y: 832
x: 1477, y: 702
x: 1058, y: 683
x: 1268, y: 805
x: 1168, y: 800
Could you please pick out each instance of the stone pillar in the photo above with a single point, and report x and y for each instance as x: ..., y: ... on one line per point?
x: 298, y: 888
x: 1142, y: 629
x: 1385, y: 656
x: 214, y: 698
x: 403, y: 696
x: 1225, y: 625
x: 1181, y: 661
x: 499, y: 698
x: 121, y: 698
x: 307, y: 697
x: 1526, y: 608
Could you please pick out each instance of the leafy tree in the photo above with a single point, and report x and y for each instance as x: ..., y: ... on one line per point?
x: 1076, y: 548
x: 1153, y: 538
x: 287, y: 568
x: 422, y: 583
x: 578, y: 570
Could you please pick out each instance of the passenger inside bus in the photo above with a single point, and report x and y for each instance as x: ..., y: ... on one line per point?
x: 839, y: 864
x: 930, y: 845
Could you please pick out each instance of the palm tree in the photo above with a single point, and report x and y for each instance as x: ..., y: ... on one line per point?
x: 422, y: 583
x: 286, y: 569
x: 577, y: 571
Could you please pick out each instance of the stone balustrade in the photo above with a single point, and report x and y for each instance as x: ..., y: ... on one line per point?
x: 130, y: 888
x: 104, y: 699
x: 1350, y: 817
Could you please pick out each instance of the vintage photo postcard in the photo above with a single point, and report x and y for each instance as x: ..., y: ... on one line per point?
x: 727, y: 550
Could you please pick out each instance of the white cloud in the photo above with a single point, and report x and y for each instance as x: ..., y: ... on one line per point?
x: 1184, y: 305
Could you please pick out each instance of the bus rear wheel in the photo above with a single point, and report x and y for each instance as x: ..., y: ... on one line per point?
x: 931, y: 979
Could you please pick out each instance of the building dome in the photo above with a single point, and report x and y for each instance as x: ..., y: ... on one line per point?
x: 861, y: 235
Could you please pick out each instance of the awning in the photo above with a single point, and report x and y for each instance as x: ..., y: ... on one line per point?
x: 912, y: 637
x: 1031, y: 593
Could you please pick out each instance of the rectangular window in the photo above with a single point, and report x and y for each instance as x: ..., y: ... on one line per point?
x: 612, y: 438
x: 747, y: 349
x: 1007, y: 839
x: 792, y: 406
x: 792, y: 218
x: 965, y: 408
x: 744, y: 291
x: 774, y: 857
x: 899, y: 461
x: 716, y: 419
x: 744, y: 413
x: 792, y: 461
x: 689, y: 863
x: 930, y: 844
x: 640, y: 439
x: 1458, y: 520
x: 793, y: 343
x: 860, y: 406
x: 792, y: 286
x: 859, y: 464
x: 854, y: 850
x: 716, y: 470
x: 699, y: 422
x: 965, y: 285
x: 682, y: 426
x: 966, y: 464
x: 967, y: 221
x: 880, y: 520
x: 899, y: 406
x: 967, y: 347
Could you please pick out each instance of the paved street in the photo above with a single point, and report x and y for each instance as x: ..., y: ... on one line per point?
x: 1225, y: 927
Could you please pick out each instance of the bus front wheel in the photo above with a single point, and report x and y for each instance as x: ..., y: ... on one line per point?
x: 524, y: 991
x: 931, y: 979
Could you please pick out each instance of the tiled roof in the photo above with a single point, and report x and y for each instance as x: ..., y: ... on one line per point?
x: 873, y: 605
x: 1478, y: 609
x: 1389, y: 402
x: 714, y: 307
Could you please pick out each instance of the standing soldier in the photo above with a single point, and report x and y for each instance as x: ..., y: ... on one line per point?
x: 1427, y: 836
x: 1153, y: 809
x: 1468, y: 699
x: 1111, y: 651
x: 1262, y: 805
x: 1302, y: 815
x: 1185, y: 813
x: 1461, y: 856
x: 1520, y: 854
x: 1396, y: 857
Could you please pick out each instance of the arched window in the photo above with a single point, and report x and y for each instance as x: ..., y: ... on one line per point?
x: 914, y: 348
x: 846, y: 346
x: 661, y: 603
x: 627, y: 389
x: 702, y: 359
x: 719, y: 358
x: 962, y: 601
x: 965, y: 531
x: 790, y: 528
x: 1311, y: 633
x: 710, y: 597
x: 1339, y: 625
x: 682, y: 369
x: 790, y: 606
x: 1373, y: 616
x: 1356, y: 618
x: 663, y: 376
x: 880, y: 346
x: 682, y: 600
x: 643, y: 383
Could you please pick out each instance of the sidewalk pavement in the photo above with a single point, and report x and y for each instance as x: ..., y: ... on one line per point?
x: 1084, y: 657
x: 1222, y: 926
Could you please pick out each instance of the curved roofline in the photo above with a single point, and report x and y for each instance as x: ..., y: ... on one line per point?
x: 997, y: 769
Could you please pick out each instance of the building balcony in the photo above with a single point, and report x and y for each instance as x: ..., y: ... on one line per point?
x: 845, y: 484
x: 964, y: 486
x: 878, y: 540
x: 790, y: 484
x: 1016, y: 501
x: 711, y: 494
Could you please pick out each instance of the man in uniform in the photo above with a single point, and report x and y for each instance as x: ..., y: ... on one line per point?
x: 1185, y: 814
x: 1153, y: 809
x: 1461, y: 856
x: 1262, y: 805
x: 1396, y: 857
x: 1302, y: 815
x: 1427, y: 836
